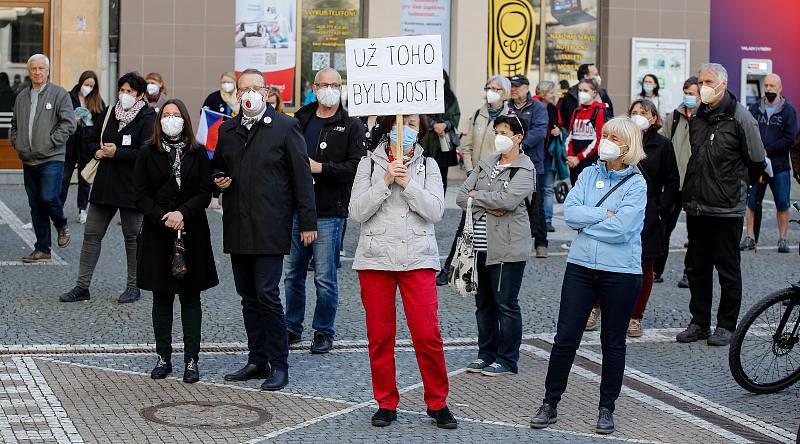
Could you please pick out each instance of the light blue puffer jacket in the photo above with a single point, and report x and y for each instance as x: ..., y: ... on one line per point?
x: 607, y: 243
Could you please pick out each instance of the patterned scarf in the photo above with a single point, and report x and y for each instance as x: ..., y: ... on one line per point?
x: 125, y: 117
x: 174, y: 147
x: 407, y: 156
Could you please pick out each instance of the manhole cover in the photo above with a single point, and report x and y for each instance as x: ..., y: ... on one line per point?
x: 204, y: 414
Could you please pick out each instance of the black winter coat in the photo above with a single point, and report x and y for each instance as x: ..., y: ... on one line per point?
x: 345, y: 145
x: 157, y: 193
x: 271, y: 182
x: 113, y: 184
x: 85, y: 141
x: 727, y: 154
x: 660, y: 170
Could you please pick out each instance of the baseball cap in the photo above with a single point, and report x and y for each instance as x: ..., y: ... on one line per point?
x: 519, y: 79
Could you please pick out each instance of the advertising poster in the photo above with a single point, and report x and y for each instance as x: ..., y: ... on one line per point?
x: 427, y: 17
x: 266, y: 40
x: 515, y: 32
x: 668, y: 60
x: 326, y: 24
x: 765, y: 37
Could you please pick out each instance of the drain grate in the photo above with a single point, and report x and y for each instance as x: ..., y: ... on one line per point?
x: 206, y: 415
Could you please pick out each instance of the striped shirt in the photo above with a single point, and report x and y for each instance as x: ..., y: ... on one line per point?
x: 479, y: 241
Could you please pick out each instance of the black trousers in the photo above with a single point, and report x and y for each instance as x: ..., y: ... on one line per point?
x: 714, y: 243
x: 617, y: 293
x: 257, y: 279
x: 670, y: 222
x: 191, y: 319
x: 75, y: 157
x: 536, y: 214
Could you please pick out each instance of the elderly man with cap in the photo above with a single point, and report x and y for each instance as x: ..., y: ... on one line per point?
x: 533, y: 116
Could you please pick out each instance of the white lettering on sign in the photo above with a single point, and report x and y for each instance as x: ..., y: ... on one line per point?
x: 395, y: 75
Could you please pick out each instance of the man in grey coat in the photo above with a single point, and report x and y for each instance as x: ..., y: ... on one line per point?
x: 42, y: 122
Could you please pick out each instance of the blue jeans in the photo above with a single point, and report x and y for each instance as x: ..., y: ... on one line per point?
x: 549, y: 194
x: 325, y: 251
x: 497, y: 311
x: 781, y: 186
x: 582, y: 286
x: 43, y: 186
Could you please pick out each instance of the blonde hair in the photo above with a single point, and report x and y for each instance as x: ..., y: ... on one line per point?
x: 630, y: 133
x: 157, y: 77
x: 229, y: 74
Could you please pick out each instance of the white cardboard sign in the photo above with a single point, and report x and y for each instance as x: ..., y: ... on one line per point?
x: 395, y: 75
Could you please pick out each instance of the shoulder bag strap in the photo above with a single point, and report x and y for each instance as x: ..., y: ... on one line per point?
x: 468, y: 219
x: 105, y: 121
x: 624, y: 179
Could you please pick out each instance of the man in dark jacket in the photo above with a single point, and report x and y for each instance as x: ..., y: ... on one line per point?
x: 727, y: 154
x: 570, y: 101
x: 335, y: 143
x: 262, y: 166
x: 777, y: 123
x: 42, y: 122
x: 533, y: 116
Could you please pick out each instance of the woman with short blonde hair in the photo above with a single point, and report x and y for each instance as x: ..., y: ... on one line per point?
x: 606, y: 207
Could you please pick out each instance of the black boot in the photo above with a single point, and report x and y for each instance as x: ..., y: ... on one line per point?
x: 384, y: 417
x: 605, y: 421
x: 191, y: 373
x: 162, y: 369
x: 545, y: 416
x: 443, y: 418
x: 443, y: 277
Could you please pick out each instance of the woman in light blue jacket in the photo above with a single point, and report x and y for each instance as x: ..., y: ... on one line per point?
x: 606, y: 206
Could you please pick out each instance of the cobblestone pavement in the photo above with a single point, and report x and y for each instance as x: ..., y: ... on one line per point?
x: 72, y: 373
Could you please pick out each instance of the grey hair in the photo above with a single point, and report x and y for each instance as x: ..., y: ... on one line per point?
x: 544, y: 87
x: 503, y: 82
x: 716, y: 68
x: 328, y: 69
x: 39, y: 58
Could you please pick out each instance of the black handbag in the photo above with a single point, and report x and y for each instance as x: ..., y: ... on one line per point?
x: 178, y: 264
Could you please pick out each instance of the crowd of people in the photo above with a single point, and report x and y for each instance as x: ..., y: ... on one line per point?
x: 631, y: 177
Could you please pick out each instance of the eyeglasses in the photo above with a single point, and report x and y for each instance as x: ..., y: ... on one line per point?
x: 253, y: 89
x: 328, y: 85
x: 165, y: 115
x: 497, y: 90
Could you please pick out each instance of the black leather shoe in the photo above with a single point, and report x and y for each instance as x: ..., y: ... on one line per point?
x: 191, y: 373
x: 384, y: 417
x: 658, y: 279
x: 684, y: 282
x: 692, y: 333
x: 545, y: 416
x: 248, y: 372
x: 293, y: 338
x: 443, y: 277
x: 162, y: 369
x: 75, y: 295
x: 129, y: 295
x: 605, y: 421
x: 277, y: 380
x: 443, y: 418
x: 720, y: 337
x: 322, y: 343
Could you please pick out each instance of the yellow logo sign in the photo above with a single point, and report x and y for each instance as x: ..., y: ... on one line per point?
x: 512, y: 33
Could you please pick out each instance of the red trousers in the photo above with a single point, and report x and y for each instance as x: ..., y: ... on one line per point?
x: 421, y: 305
x: 647, y: 287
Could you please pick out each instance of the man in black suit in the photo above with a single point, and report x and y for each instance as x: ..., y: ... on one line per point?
x: 261, y: 164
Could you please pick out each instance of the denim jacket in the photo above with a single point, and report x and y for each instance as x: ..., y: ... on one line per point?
x: 607, y: 243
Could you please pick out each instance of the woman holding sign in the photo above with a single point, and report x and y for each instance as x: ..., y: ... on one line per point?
x: 397, y: 202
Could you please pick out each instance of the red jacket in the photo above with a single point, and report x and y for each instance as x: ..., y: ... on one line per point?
x: 584, y: 136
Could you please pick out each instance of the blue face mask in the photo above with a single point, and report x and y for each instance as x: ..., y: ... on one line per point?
x: 648, y: 88
x: 690, y: 101
x: 409, y: 137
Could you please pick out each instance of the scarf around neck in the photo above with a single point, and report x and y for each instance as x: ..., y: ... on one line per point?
x: 125, y: 117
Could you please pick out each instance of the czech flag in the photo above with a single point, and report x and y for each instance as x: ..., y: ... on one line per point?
x: 208, y: 128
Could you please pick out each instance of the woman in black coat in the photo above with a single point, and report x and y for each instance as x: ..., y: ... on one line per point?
x: 173, y: 188
x: 129, y: 124
x: 660, y: 170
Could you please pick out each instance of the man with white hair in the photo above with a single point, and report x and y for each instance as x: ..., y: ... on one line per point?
x: 727, y: 155
x: 42, y: 122
x: 777, y: 123
x: 335, y: 143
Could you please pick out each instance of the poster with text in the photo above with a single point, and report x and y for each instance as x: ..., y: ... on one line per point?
x: 427, y: 17
x: 266, y: 40
x: 668, y: 60
x: 515, y: 32
x: 395, y: 75
x: 325, y: 25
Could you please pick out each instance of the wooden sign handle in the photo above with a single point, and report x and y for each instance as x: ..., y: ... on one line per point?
x: 398, y: 149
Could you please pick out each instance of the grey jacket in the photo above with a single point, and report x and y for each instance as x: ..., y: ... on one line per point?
x: 397, y: 225
x: 479, y: 141
x: 508, y: 237
x: 53, y: 123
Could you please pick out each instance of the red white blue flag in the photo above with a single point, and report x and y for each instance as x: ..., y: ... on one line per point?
x: 208, y: 128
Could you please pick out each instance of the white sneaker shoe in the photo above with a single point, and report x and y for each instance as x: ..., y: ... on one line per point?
x: 82, y: 216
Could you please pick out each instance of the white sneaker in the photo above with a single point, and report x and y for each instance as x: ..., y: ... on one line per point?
x: 82, y: 215
x: 342, y: 253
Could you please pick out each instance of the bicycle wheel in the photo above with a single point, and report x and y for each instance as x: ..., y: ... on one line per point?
x: 764, y: 356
